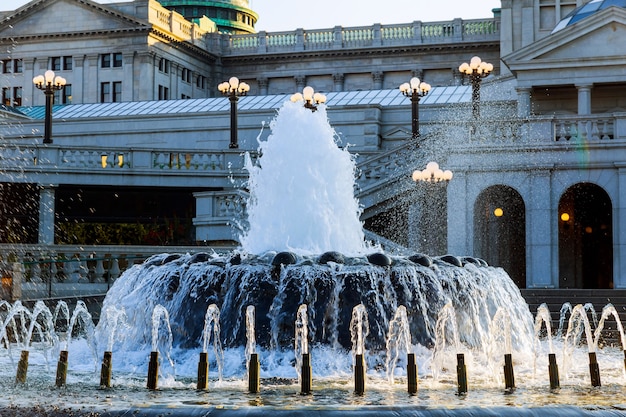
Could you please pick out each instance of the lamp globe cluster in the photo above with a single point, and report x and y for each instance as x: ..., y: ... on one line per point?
x: 415, y: 86
x: 432, y: 173
x: 476, y: 66
x: 310, y: 97
x: 234, y: 86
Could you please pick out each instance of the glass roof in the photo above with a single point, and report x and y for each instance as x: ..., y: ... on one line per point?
x: 437, y: 95
x: 586, y: 10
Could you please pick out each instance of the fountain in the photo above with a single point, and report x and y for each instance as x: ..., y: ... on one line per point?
x: 304, y: 299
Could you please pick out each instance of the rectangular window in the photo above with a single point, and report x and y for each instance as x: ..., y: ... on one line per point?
x: 105, y: 92
x: 66, y: 97
x: 105, y: 61
x: 186, y: 75
x: 17, y: 66
x: 67, y: 63
x: 117, y: 92
x: 6, y: 66
x: 164, y: 65
x: 55, y: 63
x: 164, y: 93
x: 117, y: 59
x: 6, y: 96
x: 17, y: 96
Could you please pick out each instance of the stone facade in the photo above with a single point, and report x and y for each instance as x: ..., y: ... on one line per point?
x: 548, y: 150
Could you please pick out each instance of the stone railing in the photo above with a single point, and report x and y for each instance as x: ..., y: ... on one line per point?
x: 586, y: 128
x: 107, y: 160
x: 46, y: 271
x: 415, y: 33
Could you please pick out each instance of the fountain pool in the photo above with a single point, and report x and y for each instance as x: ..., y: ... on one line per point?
x: 305, y: 282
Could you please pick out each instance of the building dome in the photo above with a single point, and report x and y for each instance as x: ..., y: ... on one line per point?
x: 588, y: 9
x: 231, y: 16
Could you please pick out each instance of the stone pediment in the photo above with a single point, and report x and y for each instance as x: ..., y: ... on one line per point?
x: 51, y: 17
x: 596, y: 41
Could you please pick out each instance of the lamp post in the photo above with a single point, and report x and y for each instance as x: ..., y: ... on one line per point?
x: 233, y: 89
x: 415, y: 89
x: 432, y: 218
x: 476, y: 70
x: 432, y: 174
x: 49, y: 83
x: 310, y: 97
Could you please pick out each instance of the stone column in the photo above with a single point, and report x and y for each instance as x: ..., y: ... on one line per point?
x: 300, y: 82
x: 377, y: 78
x: 263, y: 84
x: 91, y: 79
x: 46, y: 215
x: 460, y: 223
x: 78, y: 79
x: 584, y: 99
x: 523, y: 102
x: 619, y: 232
x: 338, y: 82
x: 128, y: 92
x: 541, y: 233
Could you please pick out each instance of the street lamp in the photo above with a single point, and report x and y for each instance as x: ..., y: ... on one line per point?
x: 233, y: 89
x: 310, y: 97
x: 49, y: 83
x: 476, y: 70
x: 415, y: 89
x: 432, y: 174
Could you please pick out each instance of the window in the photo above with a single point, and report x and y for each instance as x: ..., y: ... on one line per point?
x: 17, y: 66
x: 64, y: 95
x: 201, y: 82
x: 67, y: 63
x: 117, y: 59
x: 105, y: 61
x: 6, y: 66
x: 164, y: 93
x: 17, y: 96
x: 105, y: 92
x: 164, y: 65
x: 184, y: 96
x: 117, y: 91
x: 6, y: 96
x: 55, y: 63
x: 186, y: 75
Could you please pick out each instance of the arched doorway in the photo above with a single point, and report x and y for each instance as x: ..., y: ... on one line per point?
x: 585, y: 238
x: 500, y: 230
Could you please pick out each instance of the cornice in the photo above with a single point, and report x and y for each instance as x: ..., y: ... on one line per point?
x: 363, y: 52
x: 70, y: 35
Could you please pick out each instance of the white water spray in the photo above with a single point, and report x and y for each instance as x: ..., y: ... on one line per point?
x: 302, y: 196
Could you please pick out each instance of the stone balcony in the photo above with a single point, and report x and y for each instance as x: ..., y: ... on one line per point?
x: 375, y: 36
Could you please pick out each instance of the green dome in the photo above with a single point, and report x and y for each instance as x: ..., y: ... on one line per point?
x: 232, y: 16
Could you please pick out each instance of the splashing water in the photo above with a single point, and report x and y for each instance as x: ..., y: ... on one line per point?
x: 113, y: 318
x: 398, y: 340
x: 301, y: 344
x: 302, y: 195
x: 445, y: 328
x: 250, y: 334
x: 359, y: 329
x: 212, y: 331
x: 161, y: 316
x: 609, y: 310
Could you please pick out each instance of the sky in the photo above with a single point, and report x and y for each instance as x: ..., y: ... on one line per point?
x: 285, y: 15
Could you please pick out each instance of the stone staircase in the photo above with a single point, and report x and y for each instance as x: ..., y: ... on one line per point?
x: 555, y: 298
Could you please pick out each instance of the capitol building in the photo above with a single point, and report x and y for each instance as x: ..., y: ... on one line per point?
x: 141, y: 154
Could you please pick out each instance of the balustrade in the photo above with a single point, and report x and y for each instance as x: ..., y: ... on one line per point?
x: 40, y: 271
x: 584, y: 129
x: 409, y: 34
